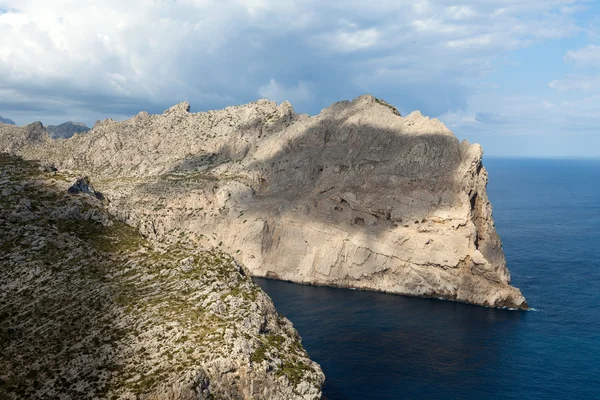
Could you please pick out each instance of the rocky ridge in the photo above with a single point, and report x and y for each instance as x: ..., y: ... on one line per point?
x: 89, y: 308
x: 66, y: 130
x: 357, y: 196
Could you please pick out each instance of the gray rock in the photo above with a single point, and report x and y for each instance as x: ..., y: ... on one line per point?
x: 83, y: 185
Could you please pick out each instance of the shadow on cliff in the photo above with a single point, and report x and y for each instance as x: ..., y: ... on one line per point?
x: 328, y: 172
x: 314, y: 168
x: 57, y: 329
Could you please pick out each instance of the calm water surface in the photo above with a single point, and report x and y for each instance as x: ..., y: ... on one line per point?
x: 379, y: 346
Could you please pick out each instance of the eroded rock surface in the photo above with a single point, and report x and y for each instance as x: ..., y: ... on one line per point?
x: 357, y: 196
x: 89, y: 308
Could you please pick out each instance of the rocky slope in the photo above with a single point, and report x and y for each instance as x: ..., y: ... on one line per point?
x: 91, y: 309
x: 7, y: 121
x: 66, y: 130
x: 357, y: 196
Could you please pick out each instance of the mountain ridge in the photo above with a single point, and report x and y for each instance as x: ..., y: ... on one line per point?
x: 357, y: 196
x: 7, y: 121
x: 66, y: 129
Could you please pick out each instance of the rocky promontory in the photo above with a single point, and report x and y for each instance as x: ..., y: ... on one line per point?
x: 357, y: 196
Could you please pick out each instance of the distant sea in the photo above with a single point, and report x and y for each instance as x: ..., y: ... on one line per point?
x: 380, y: 346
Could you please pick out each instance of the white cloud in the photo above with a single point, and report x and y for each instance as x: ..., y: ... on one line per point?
x: 580, y: 83
x: 346, y: 41
x: 460, y: 12
x: 276, y: 92
x: 115, y: 57
x: 586, y: 57
x: 470, y: 43
x: 491, y: 118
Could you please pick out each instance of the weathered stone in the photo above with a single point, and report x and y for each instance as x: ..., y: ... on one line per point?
x: 83, y: 185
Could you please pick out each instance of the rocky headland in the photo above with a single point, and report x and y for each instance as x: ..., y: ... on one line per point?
x: 357, y: 196
x: 90, y: 308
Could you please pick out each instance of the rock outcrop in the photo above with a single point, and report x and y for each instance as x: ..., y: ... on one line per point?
x: 89, y: 308
x: 83, y: 185
x: 357, y: 196
x: 66, y: 130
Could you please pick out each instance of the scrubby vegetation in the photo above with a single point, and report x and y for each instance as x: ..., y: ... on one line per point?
x: 91, y: 308
x: 388, y: 105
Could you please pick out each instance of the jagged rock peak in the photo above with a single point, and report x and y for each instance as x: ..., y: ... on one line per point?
x: 178, y: 109
x: 35, y: 125
x: 35, y: 132
x: 286, y: 108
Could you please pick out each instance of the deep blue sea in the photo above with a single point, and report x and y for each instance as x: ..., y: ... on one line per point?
x: 380, y: 346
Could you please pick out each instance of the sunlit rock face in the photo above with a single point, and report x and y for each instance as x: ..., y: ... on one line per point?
x: 357, y: 196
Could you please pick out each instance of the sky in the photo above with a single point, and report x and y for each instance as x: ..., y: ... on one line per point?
x: 522, y: 78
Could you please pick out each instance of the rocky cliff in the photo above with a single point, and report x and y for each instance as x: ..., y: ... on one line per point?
x: 357, y: 196
x: 89, y: 308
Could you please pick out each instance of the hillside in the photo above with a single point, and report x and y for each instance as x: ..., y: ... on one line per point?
x: 90, y: 308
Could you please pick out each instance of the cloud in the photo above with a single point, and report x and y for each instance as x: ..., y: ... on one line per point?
x: 349, y: 40
x: 491, y: 118
x: 274, y: 91
x: 576, y: 83
x: 586, y: 57
x: 530, y: 125
x: 108, y: 58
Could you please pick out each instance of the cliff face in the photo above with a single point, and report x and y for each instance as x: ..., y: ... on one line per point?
x: 356, y: 196
x: 91, y: 309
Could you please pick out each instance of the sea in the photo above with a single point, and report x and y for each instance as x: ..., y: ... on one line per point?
x: 381, y: 346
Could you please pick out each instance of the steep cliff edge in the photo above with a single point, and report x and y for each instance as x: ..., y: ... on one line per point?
x: 91, y: 309
x: 357, y: 196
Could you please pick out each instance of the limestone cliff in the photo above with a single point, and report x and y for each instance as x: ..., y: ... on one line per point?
x: 91, y: 309
x: 357, y: 196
